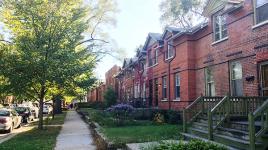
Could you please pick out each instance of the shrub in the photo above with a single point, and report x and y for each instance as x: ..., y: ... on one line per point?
x: 110, y: 97
x: 173, y: 117
x: 170, y: 116
x: 159, y: 118
x: 94, y: 105
x: 192, y: 145
x: 121, y: 112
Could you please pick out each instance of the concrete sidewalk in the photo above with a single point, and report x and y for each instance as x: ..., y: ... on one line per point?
x: 74, y: 134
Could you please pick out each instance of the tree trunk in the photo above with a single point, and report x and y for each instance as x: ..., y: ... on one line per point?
x: 41, y: 103
x: 53, y: 106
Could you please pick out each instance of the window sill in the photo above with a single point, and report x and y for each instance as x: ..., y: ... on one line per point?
x: 164, y: 100
x: 153, y: 65
x: 219, y: 41
x: 260, y: 24
x: 169, y: 58
x: 176, y: 100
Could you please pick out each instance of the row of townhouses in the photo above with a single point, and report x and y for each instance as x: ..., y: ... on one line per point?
x: 226, y: 55
x: 215, y: 73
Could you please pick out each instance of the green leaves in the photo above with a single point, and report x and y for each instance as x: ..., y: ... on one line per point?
x: 45, y: 56
x: 182, y: 13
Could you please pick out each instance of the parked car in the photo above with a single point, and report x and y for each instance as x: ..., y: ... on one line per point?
x: 47, y: 109
x: 9, y: 119
x: 26, y: 114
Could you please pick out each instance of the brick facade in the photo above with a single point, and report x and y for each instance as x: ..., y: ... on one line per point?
x: 192, y: 62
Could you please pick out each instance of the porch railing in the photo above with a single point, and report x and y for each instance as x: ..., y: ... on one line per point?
x: 217, y: 115
x: 261, y: 115
x: 198, y: 107
x: 232, y: 106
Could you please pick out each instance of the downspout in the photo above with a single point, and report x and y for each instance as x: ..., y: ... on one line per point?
x: 169, y: 61
x: 140, y: 73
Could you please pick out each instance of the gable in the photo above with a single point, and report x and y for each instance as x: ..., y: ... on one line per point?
x: 166, y: 34
x: 213, y: 6
x: 149, y: 42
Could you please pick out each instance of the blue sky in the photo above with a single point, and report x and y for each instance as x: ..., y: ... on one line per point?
x: 135, y: 19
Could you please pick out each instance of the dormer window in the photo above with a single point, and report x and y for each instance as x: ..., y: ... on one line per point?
x: 261, y: 11
x: 170, y: 51
x: 220, y: 27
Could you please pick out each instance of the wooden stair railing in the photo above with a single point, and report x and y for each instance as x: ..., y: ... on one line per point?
x: 191, y: 112
x: 198, y: 107
x: 217, y: 115
x: 262, y: 114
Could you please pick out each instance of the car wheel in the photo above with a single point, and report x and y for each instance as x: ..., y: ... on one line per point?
x: 19, y: 126
x: 28, y: 120
x: 10, y: 129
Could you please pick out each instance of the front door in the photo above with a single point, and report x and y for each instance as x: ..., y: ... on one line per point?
x: 264, y: 79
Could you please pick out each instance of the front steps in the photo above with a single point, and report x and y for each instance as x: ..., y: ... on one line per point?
x: 233, y: 134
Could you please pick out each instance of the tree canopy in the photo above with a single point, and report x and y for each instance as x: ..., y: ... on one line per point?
x: 53, y: 45
x: 181, y: 13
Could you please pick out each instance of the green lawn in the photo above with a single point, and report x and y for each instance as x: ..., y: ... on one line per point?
x: 36, y: 139
x: 133, y: 131
x: 58, y: 120
x: 33, y: 140
x: 136, y: 134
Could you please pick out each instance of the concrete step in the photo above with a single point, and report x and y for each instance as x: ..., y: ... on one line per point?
x: 199, y: 132
x: 233, y: 133
x: 235, y: 142
x: 243, y: 125
x: 188, y: 137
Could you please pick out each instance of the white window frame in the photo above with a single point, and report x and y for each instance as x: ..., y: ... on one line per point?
x: 164, y: 86
x: 232, y: 78
x: 257, y: 24
x: 177, y: 84
x: 170, y: 50
x: 221, y: 27
x: 156, y: 57
x: 211, y: 82
x: 144, y: 90
x: 261, y: 77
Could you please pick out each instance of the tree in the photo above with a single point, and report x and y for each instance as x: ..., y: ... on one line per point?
x: 181, y: 13
x: 110, y: 97
x: 53, y: 45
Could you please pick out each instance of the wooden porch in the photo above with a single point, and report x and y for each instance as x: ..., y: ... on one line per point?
x: 238, y: 122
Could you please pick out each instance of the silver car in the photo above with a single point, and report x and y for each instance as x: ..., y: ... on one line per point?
x: 9, y: 119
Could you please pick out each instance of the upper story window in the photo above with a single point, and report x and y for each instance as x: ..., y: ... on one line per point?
x: 156, y: 56
x: 153, y: 57
x: 170, y: 51
x: 150, y: 59
x: 220, y: 27
x: 261, y: 11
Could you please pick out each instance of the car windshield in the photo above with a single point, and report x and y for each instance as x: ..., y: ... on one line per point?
x: 4, y: 113
x: 20, y: 109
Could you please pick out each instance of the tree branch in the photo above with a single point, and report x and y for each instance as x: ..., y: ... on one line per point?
x: 6, y: 41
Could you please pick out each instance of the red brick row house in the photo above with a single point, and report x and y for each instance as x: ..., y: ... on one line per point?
x: 96, y: 93
x: 111, y: 81
x: 228, y: 54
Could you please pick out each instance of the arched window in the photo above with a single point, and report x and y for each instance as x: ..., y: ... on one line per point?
x: 236, y: 79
